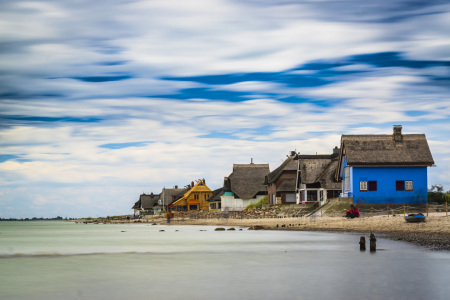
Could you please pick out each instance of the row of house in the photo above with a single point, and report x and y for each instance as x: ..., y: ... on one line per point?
x: 377, y: 169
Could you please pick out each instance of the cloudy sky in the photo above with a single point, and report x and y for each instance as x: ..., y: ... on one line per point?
x: 101, y: 101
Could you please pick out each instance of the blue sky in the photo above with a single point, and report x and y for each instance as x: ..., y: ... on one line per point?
x: 102, y: 101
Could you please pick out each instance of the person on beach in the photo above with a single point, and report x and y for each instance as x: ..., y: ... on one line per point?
x: 169, y: 215
x: 353, y: 212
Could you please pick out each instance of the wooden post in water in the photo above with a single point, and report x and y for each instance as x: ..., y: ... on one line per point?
x: 373, y: 243
x: 362, y: 243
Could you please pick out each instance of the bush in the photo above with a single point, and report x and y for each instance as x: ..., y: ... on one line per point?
x: 258, y: 204
x: 438, y: 197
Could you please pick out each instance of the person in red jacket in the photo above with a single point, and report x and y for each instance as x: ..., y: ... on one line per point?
x: 353, y: 212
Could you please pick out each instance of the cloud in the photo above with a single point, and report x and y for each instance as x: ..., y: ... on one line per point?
x: 103, y: 101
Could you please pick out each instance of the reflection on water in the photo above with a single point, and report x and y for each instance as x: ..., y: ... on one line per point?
x: 56, y: 260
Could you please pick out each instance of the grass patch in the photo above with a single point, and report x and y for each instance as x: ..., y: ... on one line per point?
x: 258, y: 204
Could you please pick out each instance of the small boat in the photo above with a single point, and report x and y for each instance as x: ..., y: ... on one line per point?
x: 415, y: 218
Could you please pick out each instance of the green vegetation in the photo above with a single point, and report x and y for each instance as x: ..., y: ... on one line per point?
x: 436, y: 194
x: 258, y: 204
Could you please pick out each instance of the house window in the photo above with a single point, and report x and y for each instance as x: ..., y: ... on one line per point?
x: 347, y: 178
x: 192, y: 207
x: 409, y: 185
x: 363, y: 186
x: 372, y: 185
x: 399, y: 185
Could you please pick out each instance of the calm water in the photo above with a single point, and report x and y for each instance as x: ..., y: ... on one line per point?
x: 58, y: 260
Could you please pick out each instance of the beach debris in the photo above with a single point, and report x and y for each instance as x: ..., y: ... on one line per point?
x: 232, y: 228
x: 362, y: 243
x: 256, y: 227
x: 373, y: 243
x: 161, y: 230
x: 123, y: 231
x: 219, y: 229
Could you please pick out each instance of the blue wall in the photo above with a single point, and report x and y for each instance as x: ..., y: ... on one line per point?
x: 386, y: 178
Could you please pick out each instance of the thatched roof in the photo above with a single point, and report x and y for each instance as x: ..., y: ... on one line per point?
x: 167, y: 194
x: 287, y: 186
x: 146, y: 202
x: 247, y: 180
x: 319, y: 169
x: 288, y: 165
x: 216, y: 195
x: 383, y: 150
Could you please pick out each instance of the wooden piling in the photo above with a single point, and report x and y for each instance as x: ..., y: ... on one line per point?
x: 362, y: 243
x: 373, y: 243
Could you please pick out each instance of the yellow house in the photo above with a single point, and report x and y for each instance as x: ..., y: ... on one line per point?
x: 194, y: 199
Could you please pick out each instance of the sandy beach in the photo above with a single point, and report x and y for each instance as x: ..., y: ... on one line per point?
x: 433, y: 234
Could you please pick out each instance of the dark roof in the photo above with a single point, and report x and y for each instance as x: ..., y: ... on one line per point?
x: 383, y: 150
x: 146, y: 201
x: 167, y: 194
x: 247, y: 180
x: 319, y: 169
x: 290, y: 164
x: 287, y: 186
x: 216, y: 195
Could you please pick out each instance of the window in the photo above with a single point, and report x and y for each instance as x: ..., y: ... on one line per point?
x: 409, y: 185
x: 399, y: 185
x: 192, y: 207
x: 347, y: 178
x: 363, y: 186
x: 372, y: 185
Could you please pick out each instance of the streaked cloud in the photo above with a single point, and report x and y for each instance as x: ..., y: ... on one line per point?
x: 102, y: 101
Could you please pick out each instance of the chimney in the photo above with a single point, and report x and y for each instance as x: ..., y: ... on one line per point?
x: 336, y: 150
x: 251, y: 161
x: 293, y: 153
x: 192, y: 184
x: 176, y: 187
x: 398, y: 133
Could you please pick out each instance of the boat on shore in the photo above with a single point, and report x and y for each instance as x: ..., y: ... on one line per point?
x: 415, y: 218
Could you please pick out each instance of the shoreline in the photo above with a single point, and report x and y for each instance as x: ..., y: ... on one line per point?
x: 434, y: 234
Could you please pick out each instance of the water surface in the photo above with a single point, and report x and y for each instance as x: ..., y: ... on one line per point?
x: 63, y: 260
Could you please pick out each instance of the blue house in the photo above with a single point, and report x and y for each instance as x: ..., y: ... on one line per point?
x: 384, y: 169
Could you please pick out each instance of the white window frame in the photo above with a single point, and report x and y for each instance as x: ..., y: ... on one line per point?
x: 347, y: 178
x: 408, y: 185
x: 363, y: 185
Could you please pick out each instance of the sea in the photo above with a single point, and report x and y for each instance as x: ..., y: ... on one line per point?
x: 68, y: 260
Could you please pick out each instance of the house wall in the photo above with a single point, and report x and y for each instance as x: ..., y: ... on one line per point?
x: 386, y: 178
x: 230, y: 203
x: 271, y: 192
x: 272, y: 188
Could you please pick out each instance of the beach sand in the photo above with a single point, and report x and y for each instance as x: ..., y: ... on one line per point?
x: 433, y: 234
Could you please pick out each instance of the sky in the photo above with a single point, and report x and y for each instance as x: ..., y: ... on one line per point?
x: 101, y: 101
